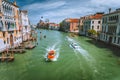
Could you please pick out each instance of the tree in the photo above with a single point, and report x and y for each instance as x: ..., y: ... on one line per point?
x: 61, y: 27
x: 92, y: 32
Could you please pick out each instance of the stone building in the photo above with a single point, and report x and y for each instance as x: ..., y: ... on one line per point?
x: 9, y: 23
x: 26, y: 29
x: 111, y: 28
x: 93, y: 22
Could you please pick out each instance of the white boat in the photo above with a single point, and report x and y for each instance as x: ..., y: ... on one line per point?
x: 74, y: 45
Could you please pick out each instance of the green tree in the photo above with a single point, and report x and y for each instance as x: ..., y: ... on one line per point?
x: 92, y: 32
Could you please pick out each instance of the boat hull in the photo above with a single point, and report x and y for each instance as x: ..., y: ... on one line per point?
x: 51, y: 56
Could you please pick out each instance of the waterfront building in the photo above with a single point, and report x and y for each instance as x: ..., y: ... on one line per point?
x: 9, y: 26
x: 81, y: 25
x: 65, y: 25
x: 70, y: 25
x: 93, y: 22
x: 111, y: 28
x: 26, y: 29
x: 74, y: 25
x: 53, y: 26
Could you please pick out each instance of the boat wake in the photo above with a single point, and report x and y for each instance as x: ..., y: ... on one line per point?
x: 54, y: 47
x: 83, y: 52
x: 79, y: 49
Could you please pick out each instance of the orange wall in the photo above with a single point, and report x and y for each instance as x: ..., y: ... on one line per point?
x: 73, y: 26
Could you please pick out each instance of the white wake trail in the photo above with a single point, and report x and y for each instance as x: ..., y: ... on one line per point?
x: 84, y: 53
x: 56, y: 48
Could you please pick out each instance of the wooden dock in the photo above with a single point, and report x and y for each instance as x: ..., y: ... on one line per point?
x: 7, y: 57
x: 17, y: 50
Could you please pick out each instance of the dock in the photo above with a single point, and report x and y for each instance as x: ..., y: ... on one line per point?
x: 7, y: 57
x: 17, y: 50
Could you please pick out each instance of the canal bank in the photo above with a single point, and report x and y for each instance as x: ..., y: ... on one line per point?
x: 90, y: 63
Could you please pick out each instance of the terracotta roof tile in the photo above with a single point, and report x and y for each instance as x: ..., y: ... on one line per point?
x: 74, y: 20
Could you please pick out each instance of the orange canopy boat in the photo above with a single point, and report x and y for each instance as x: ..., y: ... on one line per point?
x: 51, y: 55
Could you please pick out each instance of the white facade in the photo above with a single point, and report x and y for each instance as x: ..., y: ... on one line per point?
x: 111, y: 28
x: 9, y: 23
x: 24, y: 17
x: 25, y: 24
x: 96, y: 24
x: 8, y: 20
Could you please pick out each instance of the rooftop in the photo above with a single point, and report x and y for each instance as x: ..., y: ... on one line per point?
x: 73, y: 20
x: 113, y: 12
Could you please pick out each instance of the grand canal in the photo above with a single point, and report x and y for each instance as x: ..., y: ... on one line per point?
x: 90, y: 62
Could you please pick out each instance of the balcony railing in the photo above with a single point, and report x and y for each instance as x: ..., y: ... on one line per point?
x: 113, y: 21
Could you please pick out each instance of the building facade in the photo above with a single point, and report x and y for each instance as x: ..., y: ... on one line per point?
x: 9, y: 26
x: 74, y: 25
x: 111, y: 28
x: 81, y: 24
x: 65, y: 25
x: 93, y: 22
x: 71, y: 25
x: 53, y: 26
x: 26, y: 29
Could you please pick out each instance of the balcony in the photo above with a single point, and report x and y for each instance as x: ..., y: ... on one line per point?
x: 3, y: 29
x: 113, y: 21
x: 110, y: 33
x: 12, y: 28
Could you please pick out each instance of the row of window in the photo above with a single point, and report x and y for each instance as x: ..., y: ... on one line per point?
x: 8, y: 8
x: 103, y: 29
x: 111, y: 18
x: 112, y: 29
x: 98, y: 22
x: 104, y: 20
x: 118, y: 41
x: 98, y: 27
x: 9, y: 18
x: 88, y: 22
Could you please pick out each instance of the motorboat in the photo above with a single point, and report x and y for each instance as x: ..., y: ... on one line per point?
x: 74, y: 45
x: 51, y: 55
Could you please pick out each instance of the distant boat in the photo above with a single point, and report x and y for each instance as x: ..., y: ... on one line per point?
x: 74, y: 45
x: 51, y: 55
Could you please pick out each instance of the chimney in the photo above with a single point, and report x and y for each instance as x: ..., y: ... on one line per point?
x: 109, y: 10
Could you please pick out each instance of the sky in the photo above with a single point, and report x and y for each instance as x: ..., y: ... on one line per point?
x: 58, y: 10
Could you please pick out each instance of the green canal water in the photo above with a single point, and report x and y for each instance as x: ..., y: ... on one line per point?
x: 89, y: 62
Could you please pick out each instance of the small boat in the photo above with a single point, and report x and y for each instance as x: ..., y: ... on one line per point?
x: 74, y: 45
x: 51, y: 55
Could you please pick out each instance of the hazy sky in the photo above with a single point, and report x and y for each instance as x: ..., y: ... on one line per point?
x: 57, y: 10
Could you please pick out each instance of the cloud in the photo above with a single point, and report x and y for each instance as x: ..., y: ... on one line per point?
x: 56, y: 11
x: 45, y: 5
x: 106, y: 3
